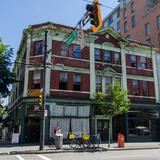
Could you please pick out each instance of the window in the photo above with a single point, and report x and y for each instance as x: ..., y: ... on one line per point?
x: 159, y: 39
x: 133, y: 61
x: 125, y: 27
x: 147, y: 29
x: 116, y: 58
x: 76, y: 82
x: 142, y: 62
x: 108, y: 81
x: 124, y: 13
x: 133, y: 21
x: 64, y: 50
x: 133, y: 7
x: 63, y: 81
x: 118, y: 26
x: 110, y: 20
x: 36, y: 79
x: 148, y: 41
x: 118, y: 13
x: 97, y: 55
x: 158, y: 22
x: 135, y: 87
x: 98, y: 83
x: 77, y: 51
x: 107, y: 57
x: 38, y: 47
x: 144, y: 88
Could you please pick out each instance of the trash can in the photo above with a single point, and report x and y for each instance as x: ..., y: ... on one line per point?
x: 121, y: 140
x: 58, y: 141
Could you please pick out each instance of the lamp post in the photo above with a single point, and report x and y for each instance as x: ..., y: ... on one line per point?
x: 42, y: 127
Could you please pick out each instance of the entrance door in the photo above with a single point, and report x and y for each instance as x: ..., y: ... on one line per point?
x: 32, y: 130
x: 102, y: 129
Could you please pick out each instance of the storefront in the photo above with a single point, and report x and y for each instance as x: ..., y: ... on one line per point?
x: 143, y: 125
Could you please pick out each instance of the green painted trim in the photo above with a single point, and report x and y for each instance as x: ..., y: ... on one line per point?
x: 143, y: 78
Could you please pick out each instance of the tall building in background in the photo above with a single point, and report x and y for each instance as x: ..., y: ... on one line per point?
x: 139, y: 20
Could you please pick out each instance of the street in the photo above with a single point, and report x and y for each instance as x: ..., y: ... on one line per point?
x: 110, y: 155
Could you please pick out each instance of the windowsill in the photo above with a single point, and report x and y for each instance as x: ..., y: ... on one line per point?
x: 72, y: 58
x: 139, y: 68
x: 113, y: 64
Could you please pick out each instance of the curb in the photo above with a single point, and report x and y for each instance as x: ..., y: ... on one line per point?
x: 73, y: 151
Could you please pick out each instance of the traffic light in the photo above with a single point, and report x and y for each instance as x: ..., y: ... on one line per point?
x: 40, y: 100
x: 95, y: 15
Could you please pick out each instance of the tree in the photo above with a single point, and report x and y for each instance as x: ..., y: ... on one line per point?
x: 118, y: 104
x: 7, y: 77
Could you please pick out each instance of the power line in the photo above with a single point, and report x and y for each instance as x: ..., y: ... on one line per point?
x: 99, y: 4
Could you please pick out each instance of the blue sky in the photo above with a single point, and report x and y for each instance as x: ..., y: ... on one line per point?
x: 15, y: 15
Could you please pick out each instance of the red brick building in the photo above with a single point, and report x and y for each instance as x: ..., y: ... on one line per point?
x: 72, y: 77
x: 137, y: 20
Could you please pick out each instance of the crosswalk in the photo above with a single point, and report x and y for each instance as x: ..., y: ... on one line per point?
x: 27, y: 157
x: 34, y: 157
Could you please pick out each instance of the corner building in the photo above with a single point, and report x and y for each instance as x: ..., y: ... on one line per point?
x: 73, y: 75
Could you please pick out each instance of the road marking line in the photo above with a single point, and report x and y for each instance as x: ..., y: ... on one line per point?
x: 43, y: 157
x: 19, y: 157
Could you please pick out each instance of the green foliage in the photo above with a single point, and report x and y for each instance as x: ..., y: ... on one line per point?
x: 6, y: 75
x: 119, y: 103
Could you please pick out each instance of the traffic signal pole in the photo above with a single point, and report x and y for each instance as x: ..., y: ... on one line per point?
x: 42, y: 127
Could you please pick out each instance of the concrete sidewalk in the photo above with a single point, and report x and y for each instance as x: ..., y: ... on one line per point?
x: 6, y: 149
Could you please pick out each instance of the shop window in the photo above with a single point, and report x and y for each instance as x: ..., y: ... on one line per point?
x: 97, y: 55
x: 144, y: 88
x: 64, y: 50
x: 107, y: 56
x: 63, y: 81
x: 158, y: 22
x: 139, y: 127
x: 135, y: 87
x: 77, y: 51
x: 143, y: 63
x: 125, y: 27
x: 108, y: 82
x: 36, y: 79
x: 133, y: 21
x: 116, y: 58
x: 147, y: 29
x: 98, y: 83
x: 76, y: 82
x: 133, y: 61
x: 38, y: 47
x: 133, y: 7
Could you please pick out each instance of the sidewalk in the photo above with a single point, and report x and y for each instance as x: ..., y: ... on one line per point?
x: 34, y: 149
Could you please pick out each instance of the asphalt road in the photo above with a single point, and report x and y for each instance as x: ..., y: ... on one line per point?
x: 110, y: 155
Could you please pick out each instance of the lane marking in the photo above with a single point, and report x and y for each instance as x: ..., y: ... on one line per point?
x: 19, y: 157
x: 43, y: 157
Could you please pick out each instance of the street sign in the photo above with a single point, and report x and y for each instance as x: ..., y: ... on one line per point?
x: 72, y: 37
x: 85, y: 20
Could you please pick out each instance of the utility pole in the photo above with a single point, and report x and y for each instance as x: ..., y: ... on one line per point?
x: 42, y: 127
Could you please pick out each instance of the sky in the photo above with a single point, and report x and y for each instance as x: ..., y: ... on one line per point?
x: 16, y: 15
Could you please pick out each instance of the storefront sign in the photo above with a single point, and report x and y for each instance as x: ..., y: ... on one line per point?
x: 33, y: 92
x: 15, y: 138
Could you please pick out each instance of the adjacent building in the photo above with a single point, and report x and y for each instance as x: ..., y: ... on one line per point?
x: 74, y: 74
x: 139, y: 20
